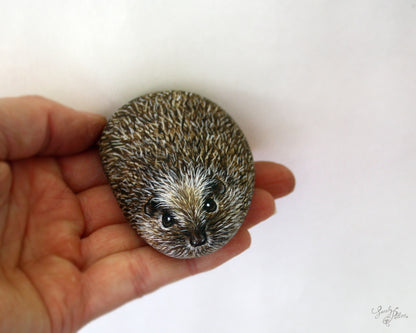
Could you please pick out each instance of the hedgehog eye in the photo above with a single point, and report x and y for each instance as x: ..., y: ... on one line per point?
x: 210, y: 205
x: 167, y: 219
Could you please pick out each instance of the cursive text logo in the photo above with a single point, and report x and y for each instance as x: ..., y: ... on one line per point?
x: 387, y: 315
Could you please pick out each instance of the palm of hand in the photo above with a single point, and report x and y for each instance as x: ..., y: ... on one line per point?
x: 55, y: 247
x: 60, y: 250
x: 42, y: 224
x: 66, y: 253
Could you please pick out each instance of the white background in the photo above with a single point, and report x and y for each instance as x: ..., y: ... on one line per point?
x: 326, y: 87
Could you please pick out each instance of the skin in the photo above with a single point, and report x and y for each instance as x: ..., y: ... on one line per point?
x: 66, y: 254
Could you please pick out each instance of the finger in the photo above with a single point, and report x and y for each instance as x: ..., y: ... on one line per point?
x: 124, y: 276
x: 5, y: 186
x: 100, y: 208
x: 5, y: 182
x: 261, y: 208
x: 274, y: 178
x: 109, y: 240
x: 33, y: 125
x: 82, y: 171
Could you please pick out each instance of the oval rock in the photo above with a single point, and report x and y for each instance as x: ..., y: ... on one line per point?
x: 181, y: 171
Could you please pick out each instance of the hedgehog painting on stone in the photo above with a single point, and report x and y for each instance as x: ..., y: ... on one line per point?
x: 181, y: 171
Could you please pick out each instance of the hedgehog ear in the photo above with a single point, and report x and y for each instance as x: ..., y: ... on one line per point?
x: 217, y: 186
x: 150, y: 207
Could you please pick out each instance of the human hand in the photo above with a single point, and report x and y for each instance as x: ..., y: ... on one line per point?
x: 66, y: 253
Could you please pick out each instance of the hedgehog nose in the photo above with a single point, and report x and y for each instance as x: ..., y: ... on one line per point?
x: 198, y: 238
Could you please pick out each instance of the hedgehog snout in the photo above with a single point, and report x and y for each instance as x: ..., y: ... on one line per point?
x: 197, y: 237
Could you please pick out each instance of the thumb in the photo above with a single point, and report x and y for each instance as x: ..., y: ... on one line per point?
x: 33, y: 125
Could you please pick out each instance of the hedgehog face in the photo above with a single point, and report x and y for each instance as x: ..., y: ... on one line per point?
x: 190, y: 221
